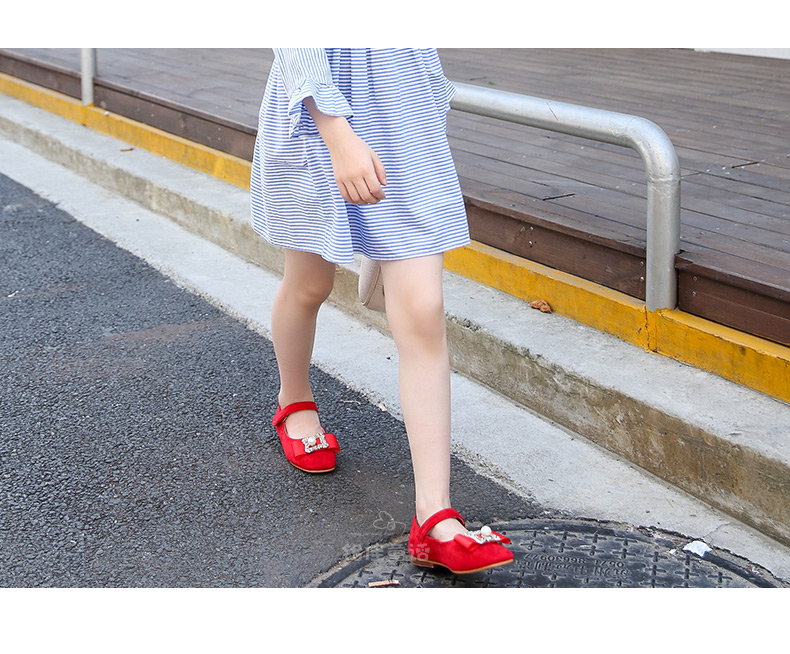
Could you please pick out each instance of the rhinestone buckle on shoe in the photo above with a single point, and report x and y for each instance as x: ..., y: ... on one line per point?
x: 484, y: 535
x: 313, y: 443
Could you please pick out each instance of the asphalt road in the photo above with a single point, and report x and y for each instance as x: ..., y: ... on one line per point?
x: 136, y: 447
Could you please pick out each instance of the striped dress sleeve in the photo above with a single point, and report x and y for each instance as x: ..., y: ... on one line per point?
x: 306, y: 73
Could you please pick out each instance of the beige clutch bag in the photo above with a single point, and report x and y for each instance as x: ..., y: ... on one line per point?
x: 371, y: 285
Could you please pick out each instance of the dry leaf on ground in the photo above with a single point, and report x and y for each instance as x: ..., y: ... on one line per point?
x: 542, y: 305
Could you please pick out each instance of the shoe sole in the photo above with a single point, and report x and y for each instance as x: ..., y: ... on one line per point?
x: 314, y: 472
x: 422, y: 563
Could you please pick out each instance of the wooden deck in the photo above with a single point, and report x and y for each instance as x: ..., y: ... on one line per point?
x: 569, y: 203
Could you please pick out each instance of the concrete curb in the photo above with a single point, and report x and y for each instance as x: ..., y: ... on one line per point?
x: 720, y: 442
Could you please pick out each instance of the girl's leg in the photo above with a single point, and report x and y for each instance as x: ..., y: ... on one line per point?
x: 307, y: 282
x: 415, y: 311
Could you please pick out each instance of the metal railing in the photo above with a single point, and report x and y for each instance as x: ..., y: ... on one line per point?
x: 640, y: 134
x: 87, y: 73
x: 652, y: 144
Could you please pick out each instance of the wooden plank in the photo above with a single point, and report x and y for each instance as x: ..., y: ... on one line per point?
x: 573, y: 156
x: 728, y: 305
x: 731, y: 237
x: 756, y: 277
x: 703, y: 135
x: 735, y: 211
x: 565, y: 251
x: 736, y: 208
x: 748, y: 181
x: 630, y: 209
x: 651, y: 79
x: 518, y: 72
x: 203, y: 114
x: 478, y: 182
x: 54, y: 76
x: 61, y: 58
x: 175, y: 120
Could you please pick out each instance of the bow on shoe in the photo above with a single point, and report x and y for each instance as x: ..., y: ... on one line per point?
x: 308, y: 445
x: 484, y: 536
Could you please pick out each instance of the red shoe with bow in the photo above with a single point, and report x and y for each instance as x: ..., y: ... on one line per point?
x: 476, y: 551
x: 312, y: 453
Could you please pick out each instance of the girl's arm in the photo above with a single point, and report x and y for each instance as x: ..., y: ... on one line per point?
x: 358, y: 171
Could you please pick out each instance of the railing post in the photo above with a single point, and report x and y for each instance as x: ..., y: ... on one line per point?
x: 652, y: 144
x: 87, y: 73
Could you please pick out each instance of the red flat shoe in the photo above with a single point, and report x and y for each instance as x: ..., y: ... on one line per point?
x: 477, y: 551
x: 312, y: 453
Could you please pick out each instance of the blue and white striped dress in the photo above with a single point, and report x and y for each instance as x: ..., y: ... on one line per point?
x: 396, y: 100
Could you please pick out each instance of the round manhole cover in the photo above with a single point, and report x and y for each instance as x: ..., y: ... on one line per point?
x: 565, y: 554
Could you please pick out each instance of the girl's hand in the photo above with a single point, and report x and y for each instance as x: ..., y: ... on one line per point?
x: 358, y: 170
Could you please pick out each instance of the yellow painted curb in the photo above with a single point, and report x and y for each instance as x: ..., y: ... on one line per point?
x: 226, y: 167
x: 739, y: 357
x: 588, y: 303
x: 52, y: 101
x: 742, y: 358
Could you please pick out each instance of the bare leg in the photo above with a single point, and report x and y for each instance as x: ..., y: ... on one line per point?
x: 415, y: 311
x: 307, y: 282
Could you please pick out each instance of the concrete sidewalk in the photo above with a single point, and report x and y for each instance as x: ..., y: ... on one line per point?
x: 546, y: 465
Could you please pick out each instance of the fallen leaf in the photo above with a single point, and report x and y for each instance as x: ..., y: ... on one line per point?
x: 542, y: 305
